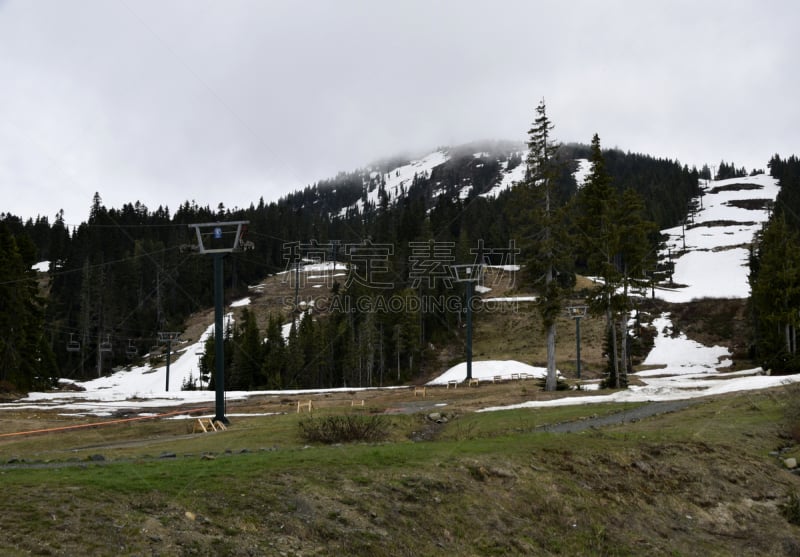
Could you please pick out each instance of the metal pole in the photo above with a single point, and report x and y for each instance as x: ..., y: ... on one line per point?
x: 469, y: 330
x: 297, y: 284
x: 578, y: 342
x: 219, y: 340
x: 169, y: 354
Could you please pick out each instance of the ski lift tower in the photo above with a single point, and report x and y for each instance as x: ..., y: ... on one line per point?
x: 577, y: 313
x: 219, y: 239
x: 167, y: 337
x: 469, y: 274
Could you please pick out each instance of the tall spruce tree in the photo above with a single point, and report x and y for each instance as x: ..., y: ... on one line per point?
x: 613, y: 240
x: 597, y: 238
x: 541, y: 226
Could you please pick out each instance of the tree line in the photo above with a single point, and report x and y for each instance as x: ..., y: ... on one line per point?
x: 775, y: 274
x: 121, y: 276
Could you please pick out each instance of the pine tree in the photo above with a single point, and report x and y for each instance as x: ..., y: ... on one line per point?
x: 247, y: 353
x: 541, y: 225
x: 775, y: 286
x: 613, y: 240
x: 273, y: 368
x: 634, y: 257
x: 597, y: 238
x: 26, y: 360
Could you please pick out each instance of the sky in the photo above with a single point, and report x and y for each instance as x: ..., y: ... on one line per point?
x: 166, y: 101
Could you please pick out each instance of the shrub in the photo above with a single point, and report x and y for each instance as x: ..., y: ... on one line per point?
x: 561, y: 383
x: 344, y: 429
x: 791, y: 508
x: 791, y: 411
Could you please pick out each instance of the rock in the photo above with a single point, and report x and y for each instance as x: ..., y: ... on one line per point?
x: 643, y: 466
x: 790, y: 463
x: 168, y: 455
x: 97, y: 458
x: 434, y: 416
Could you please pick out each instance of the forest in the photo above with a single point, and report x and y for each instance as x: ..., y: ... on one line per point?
x: 775, y: 274
x: 117, y: 279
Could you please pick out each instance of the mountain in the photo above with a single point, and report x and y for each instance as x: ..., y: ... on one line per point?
x: 710, y: 255
x: 121, y: 277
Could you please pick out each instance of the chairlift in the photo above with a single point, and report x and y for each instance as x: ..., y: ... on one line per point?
x: 72, y: 344
x: 106, y: 345
x: 131, y: 350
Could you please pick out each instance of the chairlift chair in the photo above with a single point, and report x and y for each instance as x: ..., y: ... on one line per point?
x: 131, y: 350
x: 73, y: 345
x: 106, y: 345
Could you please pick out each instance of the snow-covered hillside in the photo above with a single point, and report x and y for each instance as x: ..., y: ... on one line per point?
x: 711, y: 252
x: 402, y: 177
x: 710, y: 256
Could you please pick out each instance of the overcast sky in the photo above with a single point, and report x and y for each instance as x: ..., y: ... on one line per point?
x: 228, y: 101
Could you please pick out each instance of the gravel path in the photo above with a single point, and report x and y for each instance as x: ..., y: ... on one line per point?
x: 625, y: 416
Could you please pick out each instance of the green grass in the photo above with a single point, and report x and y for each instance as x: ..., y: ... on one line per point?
x: 489, y: 484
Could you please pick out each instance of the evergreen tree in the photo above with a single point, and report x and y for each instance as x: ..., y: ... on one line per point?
x: 274, y: 360
x: 541, y: 225
x: 614, y: 239
x: 635, y: 255
x: 247, y: 354
x: 26, y: 360
x: 775, y: 286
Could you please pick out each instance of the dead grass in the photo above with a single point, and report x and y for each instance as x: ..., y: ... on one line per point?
x: 695, y: 482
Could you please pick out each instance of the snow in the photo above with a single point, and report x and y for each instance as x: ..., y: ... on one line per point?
x: 41, y: 267
x: 511, y: 299
x: 714, y: 261
x: 584, y: 168
x: 713, y: 264
x: 487, y: 370
x: 680, y: 355
x: 510, y: 178
x: 401, y: 176
x: 240, y: 303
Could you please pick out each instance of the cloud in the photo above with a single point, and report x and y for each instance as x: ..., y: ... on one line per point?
x: 164, y: 102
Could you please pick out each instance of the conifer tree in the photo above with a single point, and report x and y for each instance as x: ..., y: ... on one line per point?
x: 775, y: 286
x: 274, y: 359
x: 247, y: 353
x: 25, y: 359
x: 597, y: 238
x: 541, y: 226
x: 612, y: 234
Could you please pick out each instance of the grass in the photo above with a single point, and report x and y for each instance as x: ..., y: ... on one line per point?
x: 698, y: 481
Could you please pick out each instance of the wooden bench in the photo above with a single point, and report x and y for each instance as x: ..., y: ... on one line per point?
x: 419, y: 391
x: 453, y: 382
x: 301, y: 405
x: 474, y: 382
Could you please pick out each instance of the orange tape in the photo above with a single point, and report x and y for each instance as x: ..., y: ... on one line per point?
x: 97, y: 424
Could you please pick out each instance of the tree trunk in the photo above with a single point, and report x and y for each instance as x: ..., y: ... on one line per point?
x: 614, y: 378
x: 623, y: 370
x: 622, y: 376
x: 550, y: 383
